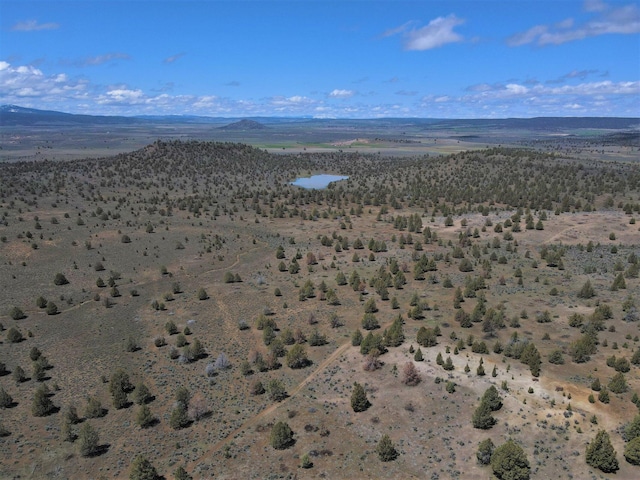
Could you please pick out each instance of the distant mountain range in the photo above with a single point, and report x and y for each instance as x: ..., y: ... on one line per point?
x: 13, y: 115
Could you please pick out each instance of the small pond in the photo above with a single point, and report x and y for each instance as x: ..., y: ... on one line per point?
x: 317, y: 181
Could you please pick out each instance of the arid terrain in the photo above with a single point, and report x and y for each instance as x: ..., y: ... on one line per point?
x: 186, y: 263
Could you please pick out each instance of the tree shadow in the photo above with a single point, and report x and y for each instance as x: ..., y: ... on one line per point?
x: 99, y: 450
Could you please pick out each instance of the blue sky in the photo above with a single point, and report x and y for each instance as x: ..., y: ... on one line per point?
x: 325, y: 59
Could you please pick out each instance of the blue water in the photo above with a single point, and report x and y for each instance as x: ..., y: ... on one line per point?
x: 317, y: 181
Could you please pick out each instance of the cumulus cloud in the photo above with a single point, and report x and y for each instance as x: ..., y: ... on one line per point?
x: 34, y: 26
x: 624, y: 20
x: 437, y: 33
x: 338, y: 93
x: 17, y: 82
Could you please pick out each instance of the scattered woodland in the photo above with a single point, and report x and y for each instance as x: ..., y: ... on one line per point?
x: 182, y: 311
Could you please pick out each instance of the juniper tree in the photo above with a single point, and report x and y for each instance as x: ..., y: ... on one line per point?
x: 632, y: 451
x: 386, y: 449
x: 485, y: 450
x: 88, y: 440
x: 359, y: 400
x: 142, y: 469
x: 600, y: 453
x: 509, y: 462
x: 144, y: 417
x: 281, y: 436
x: 482, y: 417
x: 42, y: 404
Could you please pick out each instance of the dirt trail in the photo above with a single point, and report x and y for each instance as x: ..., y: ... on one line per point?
x: 270, y: 409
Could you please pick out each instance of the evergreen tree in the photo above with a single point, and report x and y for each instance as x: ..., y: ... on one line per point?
x: 482, y: 417
x: 418, y: 355
x: 297, y: 357
x: 179, y: 417
x: 509, y: 462
x: 618, y: 283
x: 356, y: 338
x: 145, y: 418
x: 142, y: 394
x: 632, y: 430
x: 42, y: 404
x: 281, y: 436
x: 632, y: 451
x: 448, y: 364
x: 88, y: 440
x: 359, y: 400
x: 276, y: 390
x: 485, y: 450
x: 618, y: 384
x: 181, y: 474
x: 6, y: 400
x: 386, y: 449
x: 142, y: 469
x: 586, y: 291
x: 492, y: 398
x: 601, y: 454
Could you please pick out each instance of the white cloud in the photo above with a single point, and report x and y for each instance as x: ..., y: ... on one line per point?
x: 623, y: 20
x: 338, y: 93
x: 123, y: 95
x: 34, y: 26
x: 594, y: 6
x: 515, y: 89
x: 437, y: 33
x: 97, y: 60
x: 394, y: 31
x: 527, y: 37
x: 21, y: 81
x: 173, y: 58
x: 30, y: 86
